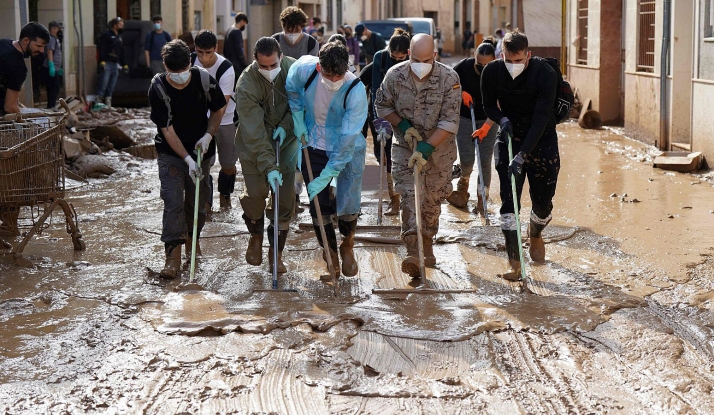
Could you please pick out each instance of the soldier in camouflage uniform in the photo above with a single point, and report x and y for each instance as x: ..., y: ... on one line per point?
x: 421, y: 99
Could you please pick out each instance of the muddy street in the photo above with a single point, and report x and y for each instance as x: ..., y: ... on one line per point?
x: 617, y: 320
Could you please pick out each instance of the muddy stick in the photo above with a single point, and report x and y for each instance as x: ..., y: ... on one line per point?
x: 381, y: 177
x: 325, y: 244
x: 417, y: 212
x: 194, y: 237
x: 481, y: 183
x: 276, y: 204
x: 515, y: 209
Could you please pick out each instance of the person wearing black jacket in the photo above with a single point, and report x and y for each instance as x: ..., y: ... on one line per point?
x: 525, y: 89
x: 111, y: 59
x: 233, y: 46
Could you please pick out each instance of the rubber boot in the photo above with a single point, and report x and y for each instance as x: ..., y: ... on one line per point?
x: 226, y: 185
x: 254, y: 251
x: 298, y: 208
x: 537, y: 246
x: 108, y: 102
x: 173, y: 260
x: 349, y: 263
x: 429, y: 258
x: 460, y: 196
x: 514, y: 263
x: 478, y: 209
x: 394, y: 198
x: 282, y: 237
x: 410, y: 264
x: 331, y: 243
x: 188, y: 244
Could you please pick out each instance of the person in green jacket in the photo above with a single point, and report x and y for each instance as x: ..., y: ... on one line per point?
x: 264, y: 118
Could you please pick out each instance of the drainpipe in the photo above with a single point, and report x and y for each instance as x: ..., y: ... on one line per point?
x: 664, y: 58
x: 80, y: 48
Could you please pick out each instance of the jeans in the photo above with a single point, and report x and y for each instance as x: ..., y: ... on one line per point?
x: 107, y: 80
x: 467, y: 149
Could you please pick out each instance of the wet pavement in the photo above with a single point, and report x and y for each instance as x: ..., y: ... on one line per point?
x: 617, y: 320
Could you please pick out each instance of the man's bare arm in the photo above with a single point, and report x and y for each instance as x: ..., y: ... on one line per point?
x: 11, y: 101
x: 174, y: 142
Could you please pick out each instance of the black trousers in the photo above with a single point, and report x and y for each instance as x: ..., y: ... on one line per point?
x: 541, y: 168
x: 53, y: 87
x: 318, y: 161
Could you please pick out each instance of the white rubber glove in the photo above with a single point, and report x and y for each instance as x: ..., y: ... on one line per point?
x: 204, y: 142
x: 193, y: 170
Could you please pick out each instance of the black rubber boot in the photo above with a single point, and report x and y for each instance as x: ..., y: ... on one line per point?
x: 514, y: 261
x: 349, y: 263
x: 254, y: 252
x: 282, y: 237
x: 331, y: 243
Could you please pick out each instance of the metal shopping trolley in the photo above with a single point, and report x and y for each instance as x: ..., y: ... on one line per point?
x: 32, y: 180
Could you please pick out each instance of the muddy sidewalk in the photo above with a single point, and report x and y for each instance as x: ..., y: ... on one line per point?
x: 618, y: 319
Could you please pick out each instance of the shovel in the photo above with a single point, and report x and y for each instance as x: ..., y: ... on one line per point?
x: 417, y: 212
x: 191, y: 286
x: 318, y: 211
x: 381, y: 177
x: 481, y: 184
x: 515, y: 209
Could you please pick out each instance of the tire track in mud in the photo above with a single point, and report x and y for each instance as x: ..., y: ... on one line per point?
x: 697, y: 339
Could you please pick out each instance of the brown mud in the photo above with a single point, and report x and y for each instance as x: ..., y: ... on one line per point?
x: 617, y: 320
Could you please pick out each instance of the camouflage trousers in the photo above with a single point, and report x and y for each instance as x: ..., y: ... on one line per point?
x: 435, y: 185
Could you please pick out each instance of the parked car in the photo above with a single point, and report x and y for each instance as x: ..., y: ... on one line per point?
x: 384, y: 28
x: 422, y: 25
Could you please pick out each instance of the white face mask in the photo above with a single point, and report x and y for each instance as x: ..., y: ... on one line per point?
x: 181, y: 77
x: 270, y: 74
x: 157, y: 26
x: 332, y: 86
x: 421, y: 69
x: 292, y: 37
x: 515, y: 69
x: 364, y: 37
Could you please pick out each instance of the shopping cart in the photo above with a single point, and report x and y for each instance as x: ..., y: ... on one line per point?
x: 32, y: 180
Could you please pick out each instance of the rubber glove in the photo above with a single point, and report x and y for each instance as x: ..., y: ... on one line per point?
x: 274, y: 177
x: 411, y: 135
x: 60, y: 71
x: 516, y: 166
x: 51, y: 66
x: 481, y: 132
x: 382, y: 125
x: 102, y: 65
x: 193, y: 169
x: 320, y: 182
x: 279, y: 132
x: 204, y: 142
x: 125, y: 68
x: 421, y: 154
x: 299, y: 125
x: 467, y: 99
x: 506, y: 126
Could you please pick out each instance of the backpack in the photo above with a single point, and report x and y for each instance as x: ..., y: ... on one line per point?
x: 158, y: 85
x: 311, y: 41
x: 564, y: 96
x: 354, y: 83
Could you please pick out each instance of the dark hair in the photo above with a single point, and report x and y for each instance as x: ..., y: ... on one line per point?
x: 53, y: 24
x: 176, y: 55
x: 292, y: 18
x: 115, y: 21
x: 337, y: 38
x: 34, y: 30
x: 490, y: 40
x: 205, y: 39
x: 157, y: 18
x: 399, y: 42
x: 266, y: 46
x: 515, y: 42
x: 241, y: 17
x: 321, y: 30
x: 316, y: 20
x: 486, y: 49
x: 334, y: 58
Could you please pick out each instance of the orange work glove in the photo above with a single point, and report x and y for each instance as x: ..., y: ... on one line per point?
x: 481, y: 132
x: 467, y: 99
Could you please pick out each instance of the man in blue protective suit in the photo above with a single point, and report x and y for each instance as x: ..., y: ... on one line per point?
x: 329, y: 111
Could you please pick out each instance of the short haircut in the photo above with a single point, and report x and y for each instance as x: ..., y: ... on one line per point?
x: 293, y: 18
x: 400, y: 40
x: 115, y: 21
x: 33, y: 31
x: 486, y: 49
x: 157, y: 18
x: 334, y: 58
x: 205, y: 39
x: 515, y: 42
x: 490, y: 39
x: 241, y: 17
x: 176, y: 55
x: 53, y: 24
x: 337, y: 38
x: 266, y: 46
x: 316, y: 20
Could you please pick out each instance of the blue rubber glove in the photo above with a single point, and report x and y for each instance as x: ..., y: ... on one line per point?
x: 279, y: 132
x: 60, y: 71
x: 299, y: 125
x: 320, y: 182
x: 51, y: 66
x: 274, y: 177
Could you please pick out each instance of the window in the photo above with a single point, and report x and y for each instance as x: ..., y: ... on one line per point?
x: 709, y: 15
x: 339, y: 13
x: 154, y: 8
x: 646, y: 36
x: 582, y: 32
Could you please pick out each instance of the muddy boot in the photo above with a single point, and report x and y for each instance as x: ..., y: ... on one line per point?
x: 537, y: 246
x: 410, y: 265
x: 349, y: 263
x: 254, y: 251
x: 298, y: 208
x: 394, y: 198
x: 188, y: 245
x: 282, y: 237
x: 429, y: 258
x: 331, y: 242
x: 478, y: 209
x: 173, y: 260
x: 108, y: 102
x: 4, y: 244
x: 226, y: 185
x: 514, y: 263
x: 460, y: 196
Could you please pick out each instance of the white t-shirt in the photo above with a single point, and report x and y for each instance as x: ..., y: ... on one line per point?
x: 226, y: 83
x: 323, y: 97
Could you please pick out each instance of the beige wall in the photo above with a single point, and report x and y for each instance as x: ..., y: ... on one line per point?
x: 445, y: 10
x: 702, y: 120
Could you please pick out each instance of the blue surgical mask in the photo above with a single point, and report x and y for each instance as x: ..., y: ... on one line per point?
x: 157, y: 26
x: 181, y: 77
